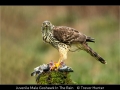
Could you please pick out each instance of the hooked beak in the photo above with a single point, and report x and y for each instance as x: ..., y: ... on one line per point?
x: 46, y: 25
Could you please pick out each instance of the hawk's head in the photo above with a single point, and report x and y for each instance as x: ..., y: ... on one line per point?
x: 47, y: 25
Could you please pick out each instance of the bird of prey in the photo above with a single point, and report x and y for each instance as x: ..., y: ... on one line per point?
x: 63, y: 38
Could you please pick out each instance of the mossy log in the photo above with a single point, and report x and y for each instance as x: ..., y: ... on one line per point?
x: 54, y: 78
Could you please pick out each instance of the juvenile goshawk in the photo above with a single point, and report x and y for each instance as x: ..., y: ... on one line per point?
x: 64, y: 38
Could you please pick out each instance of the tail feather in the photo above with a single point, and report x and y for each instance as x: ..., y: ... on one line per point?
x: 94, y: 54
x: 89, y: 39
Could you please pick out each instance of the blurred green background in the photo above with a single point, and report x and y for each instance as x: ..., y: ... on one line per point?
x: 22, y: 48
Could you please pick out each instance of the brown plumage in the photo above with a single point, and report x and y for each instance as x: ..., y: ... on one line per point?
x: 63, y: 38
x: 70, y: 35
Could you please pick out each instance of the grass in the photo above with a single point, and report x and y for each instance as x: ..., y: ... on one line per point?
x: 22, y: 47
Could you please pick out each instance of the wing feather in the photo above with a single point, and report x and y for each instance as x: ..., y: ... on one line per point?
x: 68, y: 35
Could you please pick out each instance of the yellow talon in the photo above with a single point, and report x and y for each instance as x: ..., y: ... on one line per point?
x: 55, y: 66
x: 58, y: 64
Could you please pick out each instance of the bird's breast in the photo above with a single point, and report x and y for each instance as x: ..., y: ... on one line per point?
x: 46, y: 39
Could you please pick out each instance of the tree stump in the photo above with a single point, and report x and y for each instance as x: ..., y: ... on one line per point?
x: 45, y: 75
x: 54, y: 78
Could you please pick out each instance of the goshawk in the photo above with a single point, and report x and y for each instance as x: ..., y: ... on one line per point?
x: 63, y: 38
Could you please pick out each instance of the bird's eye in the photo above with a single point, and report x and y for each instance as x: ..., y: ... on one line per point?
x: 48, y: 22
x: 43, y: 24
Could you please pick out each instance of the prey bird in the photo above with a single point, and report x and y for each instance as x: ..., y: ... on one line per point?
x: 63, y: 38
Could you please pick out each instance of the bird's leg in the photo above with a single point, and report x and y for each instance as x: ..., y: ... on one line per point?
x: 63, y: 49
x: 58, y: 64
x: 63, y: 55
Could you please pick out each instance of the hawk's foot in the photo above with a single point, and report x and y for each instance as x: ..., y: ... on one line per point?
x: 56, y: 66
x: 52, y: 66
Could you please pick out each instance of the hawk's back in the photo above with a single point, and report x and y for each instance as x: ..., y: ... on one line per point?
x: 68, y: 35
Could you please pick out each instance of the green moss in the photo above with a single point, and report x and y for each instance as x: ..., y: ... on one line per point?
x: 55, y: 77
